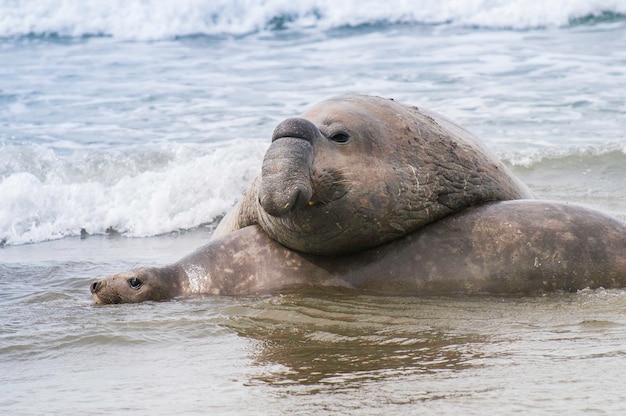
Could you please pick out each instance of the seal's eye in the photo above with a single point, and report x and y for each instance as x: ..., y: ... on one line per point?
x: 135, y: 283
x: 340, y: 137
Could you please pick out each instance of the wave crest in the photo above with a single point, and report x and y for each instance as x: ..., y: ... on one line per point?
x: 134, y: 192
x: 167, y: 19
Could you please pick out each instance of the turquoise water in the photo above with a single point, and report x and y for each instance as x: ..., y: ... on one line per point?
x: 151, y: 118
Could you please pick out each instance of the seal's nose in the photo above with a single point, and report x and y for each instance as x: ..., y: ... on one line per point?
x: 95, y: 286
x: 296, y: 127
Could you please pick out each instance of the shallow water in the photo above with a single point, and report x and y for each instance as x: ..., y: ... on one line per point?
x: 149, y: 119
x: 296, y: 353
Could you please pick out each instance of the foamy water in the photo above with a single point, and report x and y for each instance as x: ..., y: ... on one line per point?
x: 139, y: 123
x: 149, y: 138
x: 132, y: 190
x: 157, y: 20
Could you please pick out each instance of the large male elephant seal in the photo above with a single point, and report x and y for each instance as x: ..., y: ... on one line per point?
x: 358, y: 171
x: 514, y: 247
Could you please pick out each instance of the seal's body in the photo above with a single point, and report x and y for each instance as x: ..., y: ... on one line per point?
x: 514, y: 247
x: 357, y: 171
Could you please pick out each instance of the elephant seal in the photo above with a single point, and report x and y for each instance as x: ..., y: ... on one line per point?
x: 512, y: 247
x: 358, y: 171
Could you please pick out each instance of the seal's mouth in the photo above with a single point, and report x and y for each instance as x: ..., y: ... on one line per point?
x: 319, y: 201
x: 107, y: 299
x: 98, y: 301
x: 110, y: 299
x: 328, y: 186
x: 103, y: 294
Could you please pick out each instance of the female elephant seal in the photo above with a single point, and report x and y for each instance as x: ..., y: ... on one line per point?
x: 514, y: 247
x: 358, y: 171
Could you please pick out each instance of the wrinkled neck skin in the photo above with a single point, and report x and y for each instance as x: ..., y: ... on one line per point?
x: 395, y: 169
x: 248, y: 262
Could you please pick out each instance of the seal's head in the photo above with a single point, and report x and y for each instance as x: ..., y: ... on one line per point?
x: 136, y: 286
x: 357, y: 171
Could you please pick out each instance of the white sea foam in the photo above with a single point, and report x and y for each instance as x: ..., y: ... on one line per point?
x: 108, y: 133
x: 162, y: 19
x: 185, y: 187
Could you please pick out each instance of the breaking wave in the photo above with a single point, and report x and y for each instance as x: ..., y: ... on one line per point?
x: 167, y: 19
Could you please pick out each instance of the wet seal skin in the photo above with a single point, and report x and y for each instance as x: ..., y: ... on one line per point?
x: 358, y: 171
x: 506, y: 248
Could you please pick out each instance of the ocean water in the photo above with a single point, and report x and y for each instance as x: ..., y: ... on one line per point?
x: 140, y: 123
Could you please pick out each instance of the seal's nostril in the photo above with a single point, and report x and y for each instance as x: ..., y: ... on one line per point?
x: 95, y: 286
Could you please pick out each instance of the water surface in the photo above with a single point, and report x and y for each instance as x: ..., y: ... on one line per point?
x: 140, y: 124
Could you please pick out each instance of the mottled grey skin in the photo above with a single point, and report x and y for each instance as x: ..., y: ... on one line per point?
x: 357, y: 171
x: 512, y: 248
